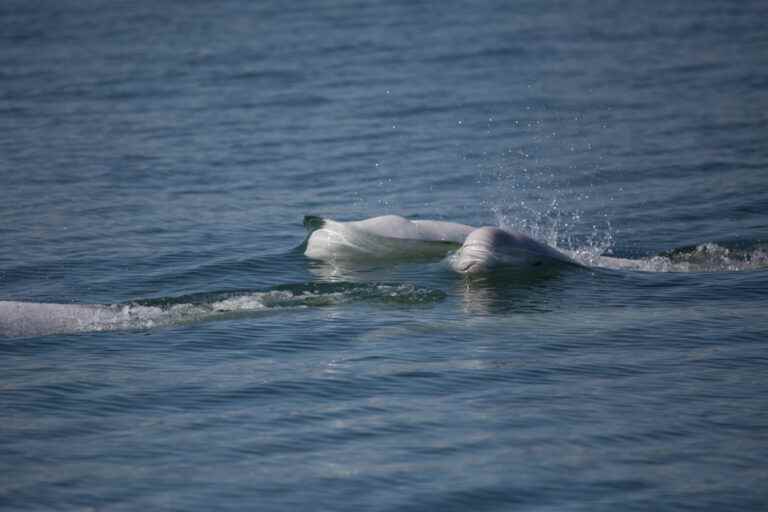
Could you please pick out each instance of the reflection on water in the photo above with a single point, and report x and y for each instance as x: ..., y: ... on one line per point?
x: 412, y: 269
x: 510, y: 291
x: 499, y: 292
x: 335, y: 271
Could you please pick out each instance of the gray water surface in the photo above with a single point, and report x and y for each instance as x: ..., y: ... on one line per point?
x: 162, y: 156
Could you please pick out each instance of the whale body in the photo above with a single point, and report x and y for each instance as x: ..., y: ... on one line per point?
x: 476, y: 249
x: 388, y: 236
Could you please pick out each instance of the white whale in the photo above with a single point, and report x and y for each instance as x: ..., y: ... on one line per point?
x: 391, y: 236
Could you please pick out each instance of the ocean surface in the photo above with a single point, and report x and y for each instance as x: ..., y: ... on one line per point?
x: 157, y: 158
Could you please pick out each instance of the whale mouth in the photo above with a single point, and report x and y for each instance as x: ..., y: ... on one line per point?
x: 479, y: 257
x: 469, y: 266
x: 473, y: 257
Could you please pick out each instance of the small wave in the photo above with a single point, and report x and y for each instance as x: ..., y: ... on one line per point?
x: 709, y: 257
x: 34, y: 318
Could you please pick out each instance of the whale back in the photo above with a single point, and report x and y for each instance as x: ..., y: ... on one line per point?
x: 393, y: 237
x: 385, y: 237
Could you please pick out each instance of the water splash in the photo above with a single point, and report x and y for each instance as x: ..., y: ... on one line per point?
x: 708, y: 257
x: 536, y: 207
x: 712, y: 257
x: 560, y: 227
x: 528, y: 197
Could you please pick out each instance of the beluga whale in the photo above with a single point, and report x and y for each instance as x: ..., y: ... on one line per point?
x: 467, y: 249
x: 489, y: 248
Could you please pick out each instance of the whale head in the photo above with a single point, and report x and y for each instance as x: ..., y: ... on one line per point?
x: 484, y: 249
x: 488, y: 248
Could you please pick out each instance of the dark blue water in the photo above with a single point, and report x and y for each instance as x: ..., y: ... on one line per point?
x: 162, y: 155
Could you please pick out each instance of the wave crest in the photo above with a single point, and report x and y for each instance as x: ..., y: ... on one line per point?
x: 708, y: 257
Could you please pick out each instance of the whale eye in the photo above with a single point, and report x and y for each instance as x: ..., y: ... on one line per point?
x: 538, y: 263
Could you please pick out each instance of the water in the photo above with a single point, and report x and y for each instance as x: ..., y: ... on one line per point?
x: 159, y: 158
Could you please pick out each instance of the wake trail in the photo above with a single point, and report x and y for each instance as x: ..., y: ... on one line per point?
x: 709, y: 257
x: 37, y: 318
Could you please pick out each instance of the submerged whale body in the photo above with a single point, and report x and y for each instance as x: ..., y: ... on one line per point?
x: 476, y: 249
x: 33, y: 318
